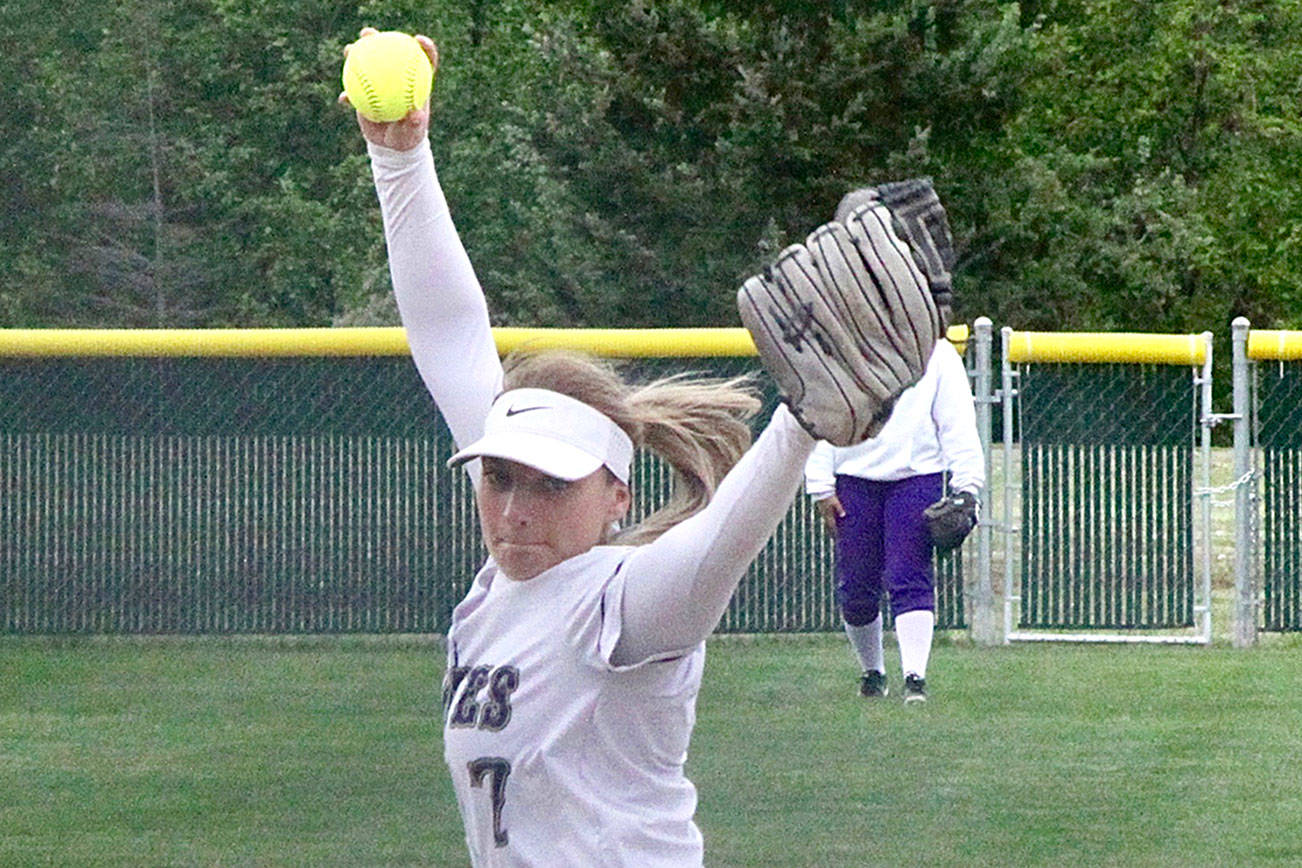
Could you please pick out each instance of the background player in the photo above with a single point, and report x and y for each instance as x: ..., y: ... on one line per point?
x: 873, y: 497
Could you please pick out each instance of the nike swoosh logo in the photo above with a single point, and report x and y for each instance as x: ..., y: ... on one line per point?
x: 511, y: 411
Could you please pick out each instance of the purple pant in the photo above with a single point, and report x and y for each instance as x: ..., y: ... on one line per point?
x: 882, y: 543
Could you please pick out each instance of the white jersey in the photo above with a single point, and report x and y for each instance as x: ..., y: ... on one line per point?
x: 570, y: 697
x: 557, y: 756
x: 931, y: 430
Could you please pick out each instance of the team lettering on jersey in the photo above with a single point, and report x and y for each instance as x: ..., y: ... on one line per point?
x: 463, y: 705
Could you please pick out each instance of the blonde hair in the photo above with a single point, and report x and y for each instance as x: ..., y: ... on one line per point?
x: 698, y: 425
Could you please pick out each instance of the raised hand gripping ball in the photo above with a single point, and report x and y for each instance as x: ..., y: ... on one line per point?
x: 386, y: 75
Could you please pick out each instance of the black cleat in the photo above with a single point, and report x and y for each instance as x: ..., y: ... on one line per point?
x: 873, y: 684
x: 915, y: 688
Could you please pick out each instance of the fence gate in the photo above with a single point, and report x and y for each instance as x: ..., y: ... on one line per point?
x: 1111, y: 433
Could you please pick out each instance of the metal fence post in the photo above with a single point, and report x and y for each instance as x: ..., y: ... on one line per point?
x: 1206, y: 420
x: 1245, y: 592
x: 1006, y: 395
x: 984, y: 627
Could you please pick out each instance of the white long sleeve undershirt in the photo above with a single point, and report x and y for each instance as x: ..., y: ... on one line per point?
x: 932, y: 429
x: 439, y: 297
x: 675, y: 588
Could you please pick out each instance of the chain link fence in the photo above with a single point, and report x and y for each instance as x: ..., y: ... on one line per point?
x: 222, y: 495
x: 281, y: 494
x: 1107, y: 471
x: 1279, y: 440
x: 1108, y: 433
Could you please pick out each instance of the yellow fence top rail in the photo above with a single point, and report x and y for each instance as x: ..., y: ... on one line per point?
x: 958, y: 336
x: 1105, y: 347
x: 372, y: 341
x: 1270, y: 344
x: 631, y: 343
x: 204, y: 342
x: 376, y: 341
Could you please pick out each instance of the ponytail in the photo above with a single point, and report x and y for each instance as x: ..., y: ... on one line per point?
x: 699, y: 428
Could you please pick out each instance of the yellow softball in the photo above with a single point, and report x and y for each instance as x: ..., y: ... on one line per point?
x: 386, y: 75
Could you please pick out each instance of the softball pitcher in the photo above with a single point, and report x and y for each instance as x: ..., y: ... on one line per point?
x: 575, y: 659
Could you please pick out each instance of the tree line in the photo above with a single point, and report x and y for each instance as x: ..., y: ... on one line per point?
x: 1106, y: 165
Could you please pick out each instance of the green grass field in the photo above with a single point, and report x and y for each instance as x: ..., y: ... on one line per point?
x: 228, y: 753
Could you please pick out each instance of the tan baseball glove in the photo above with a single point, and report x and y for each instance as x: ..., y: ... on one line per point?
x: 844, y: 323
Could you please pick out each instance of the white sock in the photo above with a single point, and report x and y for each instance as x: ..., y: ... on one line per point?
x: 913, y: 631
x: 867, y: 644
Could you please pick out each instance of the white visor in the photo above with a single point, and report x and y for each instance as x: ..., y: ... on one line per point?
x: 551, y: 432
